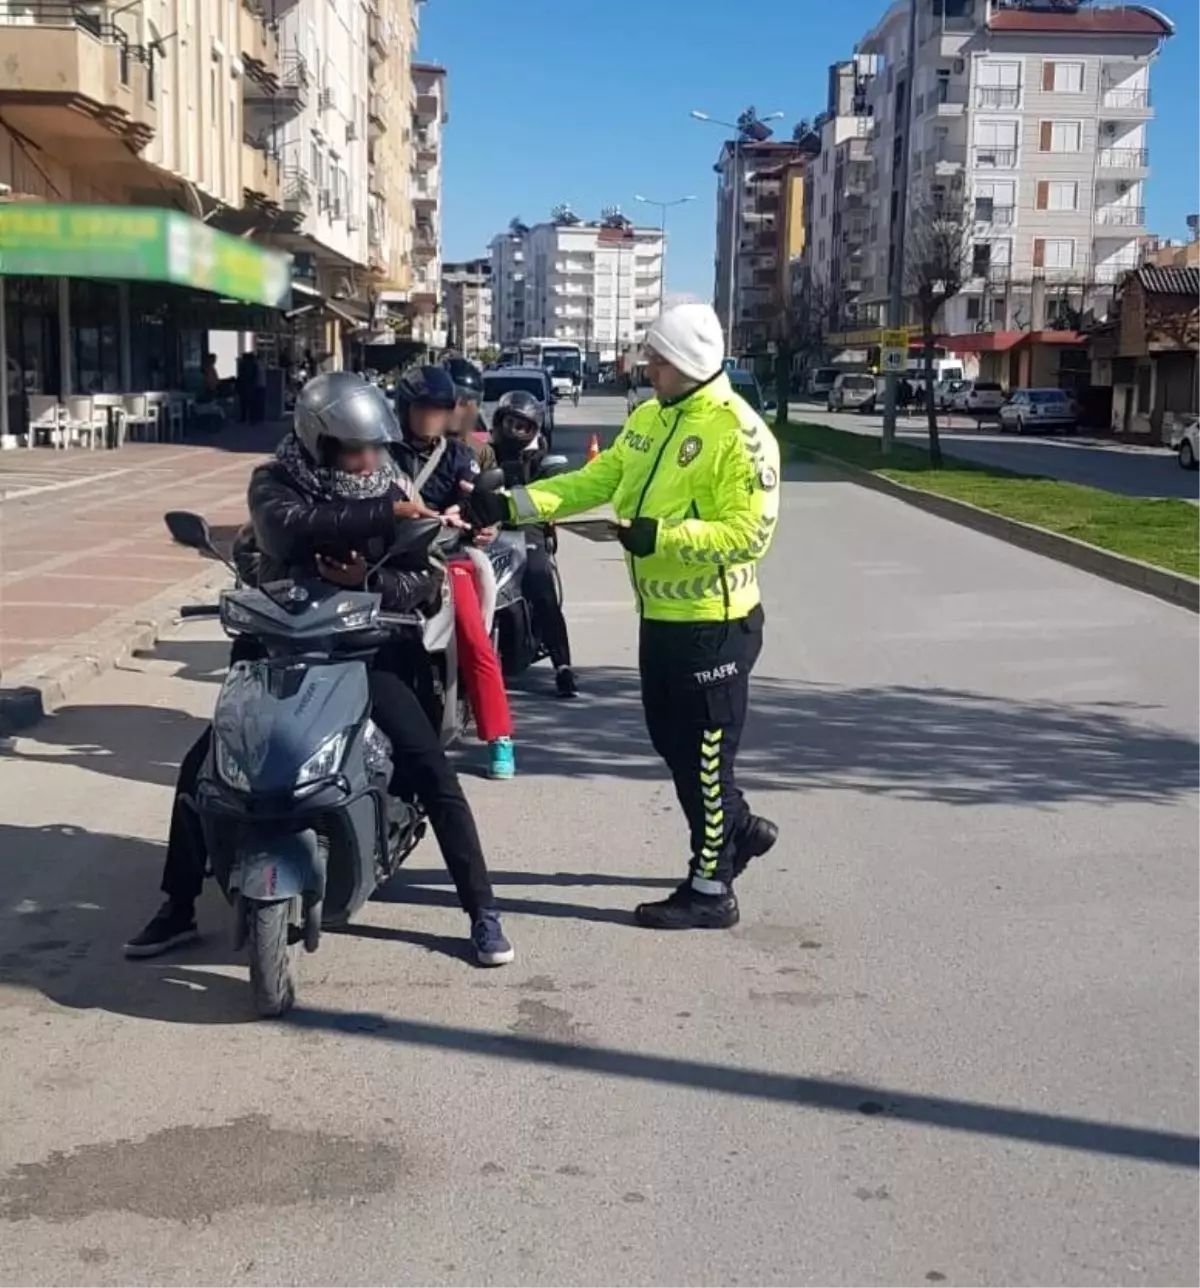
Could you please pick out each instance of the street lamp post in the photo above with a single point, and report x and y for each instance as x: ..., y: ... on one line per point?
x: 662, y: 208
x: 748, y: 127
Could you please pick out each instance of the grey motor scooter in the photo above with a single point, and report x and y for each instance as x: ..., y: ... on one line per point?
x: 293, y: 797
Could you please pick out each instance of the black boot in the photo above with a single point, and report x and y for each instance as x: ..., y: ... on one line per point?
x: 687, y: 909
x: 760, y: 835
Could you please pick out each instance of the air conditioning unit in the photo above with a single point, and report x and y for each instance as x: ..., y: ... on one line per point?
x: 1109, y: 128
x: 960, y: 66
x: 325, y: 100
x: 353, y: 223
x: 1123, y: 188
x: 351, y: 131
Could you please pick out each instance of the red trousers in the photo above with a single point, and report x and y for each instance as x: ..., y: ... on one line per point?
x: 477, y: 660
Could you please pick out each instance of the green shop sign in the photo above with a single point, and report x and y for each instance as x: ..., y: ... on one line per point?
x: 133, y: 243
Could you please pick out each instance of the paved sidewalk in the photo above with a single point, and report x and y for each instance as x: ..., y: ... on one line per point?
x: 86, y: 565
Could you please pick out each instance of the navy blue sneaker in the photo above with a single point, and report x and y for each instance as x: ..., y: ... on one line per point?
x: 488, y: 939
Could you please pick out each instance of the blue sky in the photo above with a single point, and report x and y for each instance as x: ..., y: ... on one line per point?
x: 588, y: 104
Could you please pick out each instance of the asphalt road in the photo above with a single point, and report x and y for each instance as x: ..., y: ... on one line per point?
x: 954, y: 1039
x: 1131, y: 471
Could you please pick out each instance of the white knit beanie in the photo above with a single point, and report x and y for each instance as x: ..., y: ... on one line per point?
x: 689, y: 337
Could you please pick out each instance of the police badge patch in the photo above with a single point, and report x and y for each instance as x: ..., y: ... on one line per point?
x: 767, y: 478
x: 689, y: 449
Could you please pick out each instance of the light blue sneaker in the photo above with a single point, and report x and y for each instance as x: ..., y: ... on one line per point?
x: 502, y: 758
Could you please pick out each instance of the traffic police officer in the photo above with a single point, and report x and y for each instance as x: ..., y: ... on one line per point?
x: 694, y: 481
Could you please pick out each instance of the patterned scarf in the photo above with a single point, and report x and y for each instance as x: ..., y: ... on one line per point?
x: 328, y: 483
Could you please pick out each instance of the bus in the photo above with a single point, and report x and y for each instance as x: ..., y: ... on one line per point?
x: 561, y: 359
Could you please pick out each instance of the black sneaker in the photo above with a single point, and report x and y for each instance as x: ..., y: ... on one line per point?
x: 687, y: 909
x: 759, y: 837
x: 488, y: 939
x: 564, y: 682
x: 172, y: 925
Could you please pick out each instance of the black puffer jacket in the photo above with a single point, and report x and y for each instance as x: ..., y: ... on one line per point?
x: 292, y: 527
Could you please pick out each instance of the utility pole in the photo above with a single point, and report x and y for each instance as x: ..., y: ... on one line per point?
x: 900, y: 232
x: 662, y: 207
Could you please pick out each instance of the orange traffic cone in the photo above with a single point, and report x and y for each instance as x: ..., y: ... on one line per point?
x: 593, y: 447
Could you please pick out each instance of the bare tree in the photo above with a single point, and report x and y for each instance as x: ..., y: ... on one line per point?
x: 801, y: 326
x: 936, y: 264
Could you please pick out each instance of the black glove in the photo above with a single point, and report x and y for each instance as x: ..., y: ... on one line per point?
x: 638, y: 536
x: 486, y: 509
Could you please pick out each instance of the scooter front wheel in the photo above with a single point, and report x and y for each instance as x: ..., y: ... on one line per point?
x: 271, y: 972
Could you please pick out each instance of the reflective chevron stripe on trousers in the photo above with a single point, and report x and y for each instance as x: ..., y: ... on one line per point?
x: 695, y: 695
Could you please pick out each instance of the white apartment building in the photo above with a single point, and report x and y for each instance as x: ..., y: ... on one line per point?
x: 467, y: 303
x: 430, y: 115
x: 508, y: 284
x: 598, y: 283
x: 315, y: 117
x: 1034, y: 116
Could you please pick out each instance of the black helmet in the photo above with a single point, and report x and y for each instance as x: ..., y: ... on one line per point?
x: 339, y: 408
x: 424, y: 387
x: 519, y: 417
x: 468, y: 379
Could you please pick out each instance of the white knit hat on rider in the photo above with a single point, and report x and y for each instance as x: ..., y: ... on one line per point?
x: 689, y: 337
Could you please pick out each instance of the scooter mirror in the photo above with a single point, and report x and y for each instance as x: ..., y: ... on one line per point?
x: 490, y: 481
x: 188, y: 529
x: 552, y: 465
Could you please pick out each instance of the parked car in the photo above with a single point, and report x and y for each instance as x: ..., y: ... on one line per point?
x: 981, y: 398
x: 746, y: 384
x: 1184, y: 440
x: 533, y: 380
x: 1039, y: 411
x: 820, y: 381
x: 853, y: 391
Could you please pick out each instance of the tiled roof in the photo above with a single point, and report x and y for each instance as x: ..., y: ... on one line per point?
x: 1170, y: 281
x: 1119, y: 20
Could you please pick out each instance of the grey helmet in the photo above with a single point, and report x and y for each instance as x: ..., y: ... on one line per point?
x: 340, y: 407
x: 519, y: 416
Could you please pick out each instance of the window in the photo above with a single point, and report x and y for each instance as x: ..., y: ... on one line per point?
x: 1054, y: 252
x: 1057, y: 195
x: 994, y: 201
x: 998, y: 84
x: 1062, y: 78
x: 974, y: 308
x: 981, y: 259
x: 995, y: 143
x: 1060, y: 136
x: 824, y: 205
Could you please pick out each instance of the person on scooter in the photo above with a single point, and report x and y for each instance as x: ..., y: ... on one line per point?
x: 445, y: 469
x: 520, y: 450
x: 468, y: 423
x: 332, y: 494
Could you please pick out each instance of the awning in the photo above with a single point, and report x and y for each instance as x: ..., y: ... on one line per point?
x: 140, y: 244
x: 1003, y: 341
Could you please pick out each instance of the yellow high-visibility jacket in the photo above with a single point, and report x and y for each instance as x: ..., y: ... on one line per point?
x: 707, y: 468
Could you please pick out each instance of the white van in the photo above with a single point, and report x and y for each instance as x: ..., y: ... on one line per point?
x: 853, y: 391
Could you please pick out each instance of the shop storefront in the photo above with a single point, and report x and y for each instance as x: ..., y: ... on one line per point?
x: 104, y: 299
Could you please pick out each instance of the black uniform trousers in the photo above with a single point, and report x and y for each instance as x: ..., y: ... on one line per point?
x: 695, y: 695
x: 422, y: 770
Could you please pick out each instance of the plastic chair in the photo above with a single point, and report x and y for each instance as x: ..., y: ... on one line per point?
x: 140, y: 421
x: 45, y: 417
x: 82, y: 419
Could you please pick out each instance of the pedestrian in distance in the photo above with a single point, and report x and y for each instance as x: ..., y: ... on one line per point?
x: 694, y: 481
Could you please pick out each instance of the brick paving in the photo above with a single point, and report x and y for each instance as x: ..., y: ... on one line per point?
x: 82, y: 539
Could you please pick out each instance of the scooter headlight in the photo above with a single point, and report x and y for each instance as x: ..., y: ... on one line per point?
x: 325, y: 761
x: 230, y: 769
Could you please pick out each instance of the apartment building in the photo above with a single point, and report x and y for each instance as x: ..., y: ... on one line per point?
x: 507, y: 250
x: 760, y: 230
x: 838, y: 196
x: 429, y: 118
x: 1033, y: 116
x: 467, y: 304
x: 392, y: 31
x: 597, y: 282
x: 142, y: 108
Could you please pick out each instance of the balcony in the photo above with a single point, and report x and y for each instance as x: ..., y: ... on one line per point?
x: 259, y: 43
x: 991, y: 158
x: 270, y: 98
x: 428, y: 106
x: 376, y: 114
x: 1121, y: 216
x: 997, y: 98
x: 262, y: 176
x: 987, y: 212
x: 1126, y: 159
x: 1123, y: 103
x: 425, y: 150
x: 298, y: 191
x: 379, y: 38
x: 70, y: 75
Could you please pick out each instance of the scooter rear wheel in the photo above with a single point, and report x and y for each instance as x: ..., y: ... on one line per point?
x: 271, y: 976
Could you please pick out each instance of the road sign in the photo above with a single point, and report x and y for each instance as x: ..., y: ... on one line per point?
x: 893, y: 339
x: 893, y: 359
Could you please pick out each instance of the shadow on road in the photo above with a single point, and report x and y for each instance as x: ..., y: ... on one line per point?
x: 831, y: 1095
x: 927, y: 744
